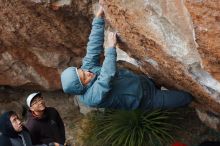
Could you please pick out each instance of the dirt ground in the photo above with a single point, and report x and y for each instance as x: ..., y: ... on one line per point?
x: 192, y: 131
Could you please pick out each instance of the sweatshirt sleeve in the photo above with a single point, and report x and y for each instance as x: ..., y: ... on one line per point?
x: 33, y: 130
x: 95, y: 44
x: 61, y: 127
x: 4, y: 140
x: 101, y: 87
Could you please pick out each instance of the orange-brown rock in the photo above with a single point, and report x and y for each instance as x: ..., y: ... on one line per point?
x: 176, y: 42
x: 36, y: 43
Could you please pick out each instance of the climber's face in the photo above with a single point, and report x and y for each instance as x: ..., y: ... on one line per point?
x: 85, y: 76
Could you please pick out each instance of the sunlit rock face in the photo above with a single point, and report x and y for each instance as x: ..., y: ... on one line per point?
x: 36, y: 42
x: 176, y: 42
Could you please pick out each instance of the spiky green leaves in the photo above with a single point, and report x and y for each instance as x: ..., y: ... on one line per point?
x: 131, y: 128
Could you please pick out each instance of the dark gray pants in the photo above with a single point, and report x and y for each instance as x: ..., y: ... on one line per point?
x: 155, y: 98
x: 168, y: 99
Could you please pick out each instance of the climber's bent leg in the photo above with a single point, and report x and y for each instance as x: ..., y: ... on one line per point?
x: 168, y: 99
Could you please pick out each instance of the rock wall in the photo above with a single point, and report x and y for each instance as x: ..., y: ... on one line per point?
x: 176, y: 42
x: 36, y: 43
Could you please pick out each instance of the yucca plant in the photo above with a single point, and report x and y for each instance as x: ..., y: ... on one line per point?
x: 130, y: 128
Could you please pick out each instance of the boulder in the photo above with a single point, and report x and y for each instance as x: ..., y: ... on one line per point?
x: 37, y: 43
x: 175, y: 42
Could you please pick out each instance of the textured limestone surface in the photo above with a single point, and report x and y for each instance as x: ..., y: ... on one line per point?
x: 176, y: 42
x: 36, y: 42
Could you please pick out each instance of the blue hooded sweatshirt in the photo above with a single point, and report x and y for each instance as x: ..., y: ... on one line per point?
x: 111, y: 87
x: 9, y: 137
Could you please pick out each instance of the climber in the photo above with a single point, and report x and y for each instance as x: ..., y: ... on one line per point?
x: 12, y: 132
x: 44, y: 123
x: 108, y: 87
